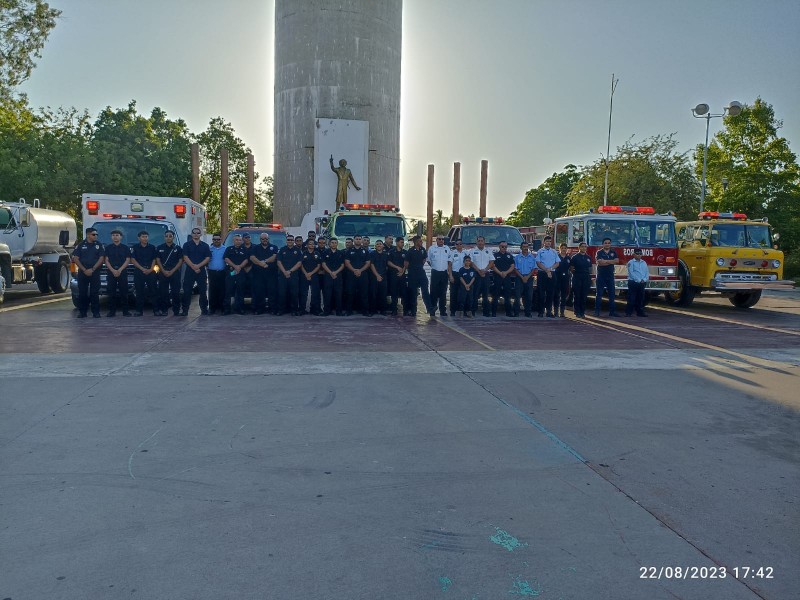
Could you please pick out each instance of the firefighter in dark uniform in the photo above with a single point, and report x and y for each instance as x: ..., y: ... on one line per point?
x: 236, y: 259
x: 379, y: 268
x: 289, y: 261
x: 196, y: 255
x: 247, y: 271
x: 118, y: 257
x: 581, y: 265
x: 333, y: 266
x: 504, y: 280
x: 606, y: 259
x: 143, y: 257
x: 309, y: 267
x: 263, y: 258
x: 169, y: 259
x: 417, y: 280
x: 322, y: 250
x: 88, y: 256
x: 356, y: 260
x: 397, y: 274
x: 562, y: 281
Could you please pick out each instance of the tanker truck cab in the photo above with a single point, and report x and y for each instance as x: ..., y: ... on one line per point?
x: 33, y: 245
x: 374, y: 220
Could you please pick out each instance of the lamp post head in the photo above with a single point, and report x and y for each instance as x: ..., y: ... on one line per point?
x: 700, y: 110
x: 734, y: 108
x: 724, y: 184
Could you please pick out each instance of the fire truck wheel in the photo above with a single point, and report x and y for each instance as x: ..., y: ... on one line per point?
x: 75, y: 300
x: 745, y: 299
x: 40, y: 275
x: 5, y: 270
x: 58, y: 276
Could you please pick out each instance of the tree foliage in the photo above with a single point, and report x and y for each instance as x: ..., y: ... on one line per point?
x: 24, y: 27
x: 553, y: 193
x: 763, y: 177
x: 647, y: 173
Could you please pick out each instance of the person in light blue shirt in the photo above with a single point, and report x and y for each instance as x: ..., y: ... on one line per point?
x: 525, y: 264
x: 638, y: 275
x: 216, y: 275
x: 547, y: 261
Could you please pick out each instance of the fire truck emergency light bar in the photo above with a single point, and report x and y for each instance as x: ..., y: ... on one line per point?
x: 369, y: 207
x: 627, y: 210
x: 272, y: 225
x: 492, y: 220
x: 708, y: 214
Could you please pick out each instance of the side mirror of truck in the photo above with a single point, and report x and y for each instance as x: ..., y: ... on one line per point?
x: 63, y: 238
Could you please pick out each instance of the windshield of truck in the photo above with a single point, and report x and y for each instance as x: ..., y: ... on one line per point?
x: 276, y: 238
x: 494, y: 234
x: 130, y: 231
x: 656, y: 233
x: 375, y: 226
x: 622, y: 233
x: 740, y: 235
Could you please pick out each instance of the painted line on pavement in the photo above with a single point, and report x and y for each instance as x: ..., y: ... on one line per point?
x: 723, y: 320
x: 32, y: 304
x: 465, y: 334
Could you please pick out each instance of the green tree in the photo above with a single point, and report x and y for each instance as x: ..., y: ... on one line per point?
x: 647, y: 173
x: 553, y: 192
x: 763, y: 177
x: 24, y: 27
x: 219, y: 135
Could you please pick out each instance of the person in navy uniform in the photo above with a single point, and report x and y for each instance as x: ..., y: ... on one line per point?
x: 88, y: 257
x: 236, y: 260
x: 466, y: 279
x: 638, y: 276
x: 333, y: 267
x: 263, y: 258
x: 456, y: 262
x: 483, y: 263
x: 547, y: 263
x: 504, y: 280
x: 118, y: 257
x: 309, y: 267
x: 289, y: 261
x: 524, y: 264
x: 440, y: 258
x: 247, y: 274
x: 581, y: 266
x: 145, y: 282
x: 196, y: 256
x: 346, y: 275
x: 417, y: 279
x: 356, y: 260
x: 562, y: 280
x: 397, y: 274
x: 322, y: 250
x: 379, y: 268
x: 169, y: 258
x: 606, y: 258
x: 217, y: 275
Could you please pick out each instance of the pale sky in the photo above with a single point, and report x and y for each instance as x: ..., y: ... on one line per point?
x: 522, y: 83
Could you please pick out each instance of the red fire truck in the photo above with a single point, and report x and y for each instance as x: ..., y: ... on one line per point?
x: 629, y: 227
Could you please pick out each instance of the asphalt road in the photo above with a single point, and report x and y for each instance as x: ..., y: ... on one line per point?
x: 281, y: 458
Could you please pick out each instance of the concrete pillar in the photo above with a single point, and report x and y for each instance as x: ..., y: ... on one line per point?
x: 335, y: 59
x: 456, y: 192
x: 196, y: 172
x: 223, y: 190
x: 251, y: 189
x: 429, y: 236
x: 484, y: 177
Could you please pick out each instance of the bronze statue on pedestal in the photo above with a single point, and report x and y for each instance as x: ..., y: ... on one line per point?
x: 345, y: 177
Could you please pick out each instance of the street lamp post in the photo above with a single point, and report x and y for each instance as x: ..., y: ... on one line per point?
x: 548, y: 220
x: 701, y: 111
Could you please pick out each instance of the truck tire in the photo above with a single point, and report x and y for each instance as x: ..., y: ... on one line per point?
x: 40, y: 275
x: 685, y: 296
x: 745, y: 299
x: 5, y: 270
x: 75, y: 302
x: 58, y: 276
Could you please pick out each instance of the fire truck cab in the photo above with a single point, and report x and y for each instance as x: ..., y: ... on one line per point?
x: 374, y: 220
x: 629, y: 227
x: 730, y: 254
x: 492, y: 229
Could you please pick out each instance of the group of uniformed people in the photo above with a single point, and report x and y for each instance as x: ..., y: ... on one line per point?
x: 315, y: 276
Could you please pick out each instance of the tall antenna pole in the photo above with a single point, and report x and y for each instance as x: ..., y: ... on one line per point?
x: 614, y: 83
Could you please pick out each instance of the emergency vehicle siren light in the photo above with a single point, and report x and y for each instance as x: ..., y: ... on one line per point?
x: 180, y: 211
x: 627, y: 210
x: 369, y: 206
x: 93, y: 206
x: 708, y: 214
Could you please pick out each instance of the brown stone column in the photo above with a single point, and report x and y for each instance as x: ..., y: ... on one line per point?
x: 223, y: 206
x: 484, y: 177
x: 429, y: 236
x: 251, y: 189
x: 196, y: 172
x: 456, y: 192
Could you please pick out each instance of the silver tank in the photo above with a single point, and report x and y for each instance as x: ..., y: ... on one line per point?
x: 45, y: 226
x: 337, y: 59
